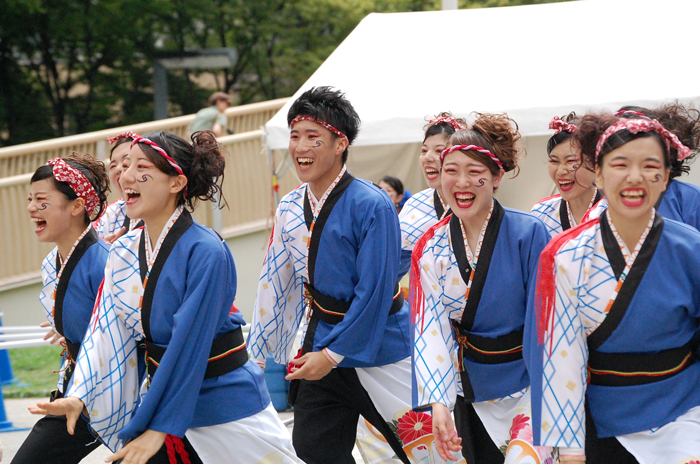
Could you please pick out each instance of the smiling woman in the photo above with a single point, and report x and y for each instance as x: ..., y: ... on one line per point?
x: 169, y: 287
x: 65, y: 195
x: 615, y: 312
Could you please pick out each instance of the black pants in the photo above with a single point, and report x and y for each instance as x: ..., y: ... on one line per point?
x: 50, y: 443
x: 162, y: 456
x: 604, y: 450
x: 477, y: 445
x: 326, y: 412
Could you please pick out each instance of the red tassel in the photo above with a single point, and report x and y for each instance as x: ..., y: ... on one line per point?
x: 415, y: 291
x: 95, y: 308
x: 170, y: 447
x: 545, y: 293
x: 180, y: 448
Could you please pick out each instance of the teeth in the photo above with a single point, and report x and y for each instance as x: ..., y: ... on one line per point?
x: 305, y: 160
x: 431, y: 171
x: 37, y: 219
x: 464, y: 197
x: 129, y: 191
x: 633, y: 193
x: 566, y: 182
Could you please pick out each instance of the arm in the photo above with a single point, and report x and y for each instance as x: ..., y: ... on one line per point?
x: 220, y: 125
x: 377, y: 268
x: 279, y: 305
x: 434, y: 373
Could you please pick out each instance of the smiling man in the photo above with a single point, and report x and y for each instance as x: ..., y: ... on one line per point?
x: 335, y: 251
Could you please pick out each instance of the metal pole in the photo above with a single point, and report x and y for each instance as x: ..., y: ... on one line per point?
x: 160, y: 91
x: 449, y: 5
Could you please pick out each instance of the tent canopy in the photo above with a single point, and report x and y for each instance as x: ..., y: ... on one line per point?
x: 532, y: 62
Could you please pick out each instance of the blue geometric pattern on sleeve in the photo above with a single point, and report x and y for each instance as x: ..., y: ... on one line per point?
x: 279, y: 306
x: 584, y: 284
x: 547, y: 210
x: 416, y: 217
x: 112, y: 219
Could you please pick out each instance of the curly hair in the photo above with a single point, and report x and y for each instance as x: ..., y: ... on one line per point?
x: 441, y: 127
x: 562, y: 136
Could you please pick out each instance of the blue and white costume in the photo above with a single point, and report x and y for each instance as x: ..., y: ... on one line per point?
x: 556, y: 213
x: 421, y: 212
x: 114, y: 218
x: 468, y: 325
x: 191, y: 273
x: 353, y: 258
x: 615, y: 327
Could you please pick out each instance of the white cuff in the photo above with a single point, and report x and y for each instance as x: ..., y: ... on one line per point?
x: 563, y: 451
x: 334, y: 357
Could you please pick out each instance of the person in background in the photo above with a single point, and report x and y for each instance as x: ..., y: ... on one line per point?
x: 394, y: 188
x: 212, y: 117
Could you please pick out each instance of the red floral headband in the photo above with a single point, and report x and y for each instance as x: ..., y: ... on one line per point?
x: 156, y: 147
x: 448, y: 120
x: 320, y: 123
x: 560, y: 126
x: 643, y: 125
x: 125, y: 135
x: 77, y: 181
x: 636, y: 113
x: 470, y: 147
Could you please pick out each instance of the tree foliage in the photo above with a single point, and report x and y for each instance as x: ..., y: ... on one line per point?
x: 71, y: 66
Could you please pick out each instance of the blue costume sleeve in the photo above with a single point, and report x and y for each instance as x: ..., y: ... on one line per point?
x: 377, y: 267
x: 211, y: 284
x: 405, y: 263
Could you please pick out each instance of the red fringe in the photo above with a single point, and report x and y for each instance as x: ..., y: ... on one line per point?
x: 545, y: 293
x: 175, y: 447
x: 415, y: 289
x: 95, y: 308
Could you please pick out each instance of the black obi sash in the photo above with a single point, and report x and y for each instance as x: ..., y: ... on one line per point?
x: 227, y: 352
x: 437, y: 204
x: 73, y: 348
x: 325, y: 308
x: 476, y: 348
x: 624, y: 369
x: 127, y: 223
x: 564, y: 211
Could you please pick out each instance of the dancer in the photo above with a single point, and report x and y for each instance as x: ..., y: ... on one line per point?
x: 335, y: 247
x: 65, y: 196
x: 394, y: 188
x: 616, y: 311
x: 575, y: 181
x: 681, y: 200
x: 470, y: 276
x: 424, y: 209
x: 114, y: 222
x: 170, y: 286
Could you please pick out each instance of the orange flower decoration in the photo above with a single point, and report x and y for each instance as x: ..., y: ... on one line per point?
x: 414, y: 425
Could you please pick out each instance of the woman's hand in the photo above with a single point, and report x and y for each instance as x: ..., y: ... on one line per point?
x: 312, y: 366
x: 446, y: 439
x: 140, y: 450
x: 52, y: 334
x: 111, y: 238
x: 70, y: 407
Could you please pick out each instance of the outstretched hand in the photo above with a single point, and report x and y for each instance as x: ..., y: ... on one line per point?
x: 445, y: 433
x: 312, y: 366
x: 140, y: 450
x: 51, y: 334
x: 70, y: 407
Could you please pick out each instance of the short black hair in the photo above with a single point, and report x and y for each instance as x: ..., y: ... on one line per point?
x: 393, y: 182
x: 328, y: 105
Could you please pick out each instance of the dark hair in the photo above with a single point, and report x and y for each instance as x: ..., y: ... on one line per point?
x: 562, y: 136
x: 497, y: 133
x: 435, y: 128
x: 394, y: 182
x: 120, y: 141
x: 93, y: 169
x: 592, y: 127
x: 684, y: 121
x: 328, y: 105
x: 201, y: 161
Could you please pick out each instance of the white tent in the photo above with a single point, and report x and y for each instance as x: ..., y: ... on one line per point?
x: 532, y: 62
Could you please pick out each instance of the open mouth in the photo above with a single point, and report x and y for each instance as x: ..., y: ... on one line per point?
x: 565, y: 184
x: 39, y: 223
x: 431, y: 173
x: 464, y: 200
x: 305, y: 163
x: 633, y: 197
x: 132, y: 196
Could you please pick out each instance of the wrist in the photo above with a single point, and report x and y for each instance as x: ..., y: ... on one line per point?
x: 330, y: 356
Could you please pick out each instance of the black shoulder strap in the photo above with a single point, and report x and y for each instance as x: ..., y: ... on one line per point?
x: 482, y: 268
x: 564, y: 215
x: 612, y: 248
x: 437, y: 203
x: 179, y: 228
x: 62, y: 287
x: 126, y: 223
x: 598, y: 197
x: 332, y: 199
x: 629, y: 286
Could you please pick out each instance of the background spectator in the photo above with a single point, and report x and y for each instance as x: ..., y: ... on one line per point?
x: 212, y: 117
